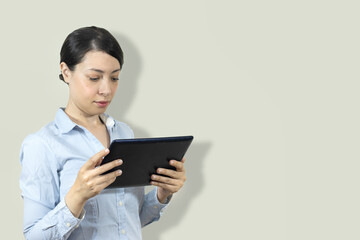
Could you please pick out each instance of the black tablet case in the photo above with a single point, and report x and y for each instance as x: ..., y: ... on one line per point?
x: 142, y: 156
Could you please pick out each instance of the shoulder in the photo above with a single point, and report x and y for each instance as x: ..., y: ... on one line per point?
x: 37, y: 146
x: 39, y: 137
x: 42, y: 136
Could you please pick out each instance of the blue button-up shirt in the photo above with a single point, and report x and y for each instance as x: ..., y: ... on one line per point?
x: 51, y: 159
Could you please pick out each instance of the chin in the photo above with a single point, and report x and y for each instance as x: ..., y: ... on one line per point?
x: 101, y: 111
x: 97, y: 111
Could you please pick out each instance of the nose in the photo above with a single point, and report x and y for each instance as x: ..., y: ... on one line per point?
x: 105, y: 88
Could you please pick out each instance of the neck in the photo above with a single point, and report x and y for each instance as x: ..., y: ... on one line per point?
x: 81, y: 117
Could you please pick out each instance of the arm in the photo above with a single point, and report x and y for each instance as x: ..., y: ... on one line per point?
x: 151, y: 209
x: 57, y: 223
x: 156, y: 200
x: 45, y: 215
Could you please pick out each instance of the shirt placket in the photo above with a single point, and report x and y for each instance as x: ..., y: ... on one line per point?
x: 120, y: 200
x: 120, y: 196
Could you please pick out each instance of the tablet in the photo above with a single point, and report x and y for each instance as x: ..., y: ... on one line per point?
x: 142, y: 156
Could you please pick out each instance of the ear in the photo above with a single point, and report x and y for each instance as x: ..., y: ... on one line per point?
x: 65, y: 71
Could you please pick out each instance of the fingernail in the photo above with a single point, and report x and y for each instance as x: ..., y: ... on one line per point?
x: 120, y: 161
x: 106, y: 150
x: 119, y: 172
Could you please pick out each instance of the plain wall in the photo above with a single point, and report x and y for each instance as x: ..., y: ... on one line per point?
x: 269, y: 89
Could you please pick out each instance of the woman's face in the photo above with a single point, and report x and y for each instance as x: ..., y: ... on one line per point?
x: 93, y: 83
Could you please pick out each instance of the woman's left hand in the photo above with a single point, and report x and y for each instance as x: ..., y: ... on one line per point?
x: 171, y: 182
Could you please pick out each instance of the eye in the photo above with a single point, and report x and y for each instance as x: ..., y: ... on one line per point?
x: 115, y: 79
x: 94, y: 79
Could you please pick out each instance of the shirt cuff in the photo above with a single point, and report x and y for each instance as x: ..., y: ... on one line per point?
x: 69, y: 221
x: 167, y: 200
x: 154, y: 201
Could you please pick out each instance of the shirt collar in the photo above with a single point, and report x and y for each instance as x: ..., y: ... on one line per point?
x: 65, y: 124
x: 109, y: 121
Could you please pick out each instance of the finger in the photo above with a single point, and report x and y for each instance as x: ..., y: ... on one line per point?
x: 107, y: 183
x: 169, y: 181
x: 103, y: 185
x: 96, y: 159
x: 170, y: 188
x: 110, y: 177
x: 179, y: 165
x: 108, y: 166
x: 168, y: 172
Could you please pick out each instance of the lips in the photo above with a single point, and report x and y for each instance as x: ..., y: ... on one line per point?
x: 102, y: 103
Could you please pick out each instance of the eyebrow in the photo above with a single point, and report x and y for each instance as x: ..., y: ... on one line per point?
x: 101, y: 71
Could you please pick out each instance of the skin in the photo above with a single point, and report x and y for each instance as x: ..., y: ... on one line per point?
x: 95, y: 80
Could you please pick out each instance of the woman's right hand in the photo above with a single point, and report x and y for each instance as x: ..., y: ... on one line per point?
x: 90, y: 182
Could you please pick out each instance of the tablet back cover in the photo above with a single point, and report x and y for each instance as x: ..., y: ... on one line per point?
x: 142, y: 156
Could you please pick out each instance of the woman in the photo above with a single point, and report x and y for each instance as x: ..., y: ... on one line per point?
x: 62, y: 183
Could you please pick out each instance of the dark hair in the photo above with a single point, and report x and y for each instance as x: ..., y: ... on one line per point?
x: 86, y: 39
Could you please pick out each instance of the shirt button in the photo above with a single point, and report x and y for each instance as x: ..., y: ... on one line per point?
x: 123, y: 231
x: 68, y: 224
x: 120, y: 203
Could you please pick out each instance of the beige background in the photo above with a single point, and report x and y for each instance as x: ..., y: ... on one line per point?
x: 269, y: 89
